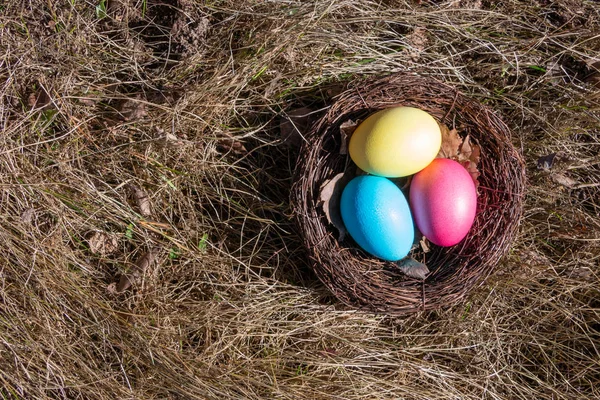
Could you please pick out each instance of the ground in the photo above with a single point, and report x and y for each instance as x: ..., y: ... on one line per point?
x: 149, y: 244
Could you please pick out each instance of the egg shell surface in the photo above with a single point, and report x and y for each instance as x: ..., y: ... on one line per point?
x: 443, y: 200
x: 395, y: 142
x: 377, y: 216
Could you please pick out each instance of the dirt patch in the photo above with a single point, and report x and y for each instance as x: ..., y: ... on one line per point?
x: 190, y: 33
x: 154, y: 28
x: 172, y: 29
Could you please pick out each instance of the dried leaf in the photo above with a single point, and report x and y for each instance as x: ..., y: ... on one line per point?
x: 413, y: 268
x: 563, y: 180
x: 424, y: 242
x: 233, y: 145
x: 579, y: 273
x: 132, y: 109
x: 172, y: 139
x: 471, y: 167
x: 469, y: 158
x: 102, y: 243
x: 346, y: 130
x: 294, y: 126
x: 465, y: 149
x: 88, y: 101
x: 469, y: 151
x: 331, y: 192
x: 451, y: 142
x: 124, y: 283
x: 142, y: 200
x: 134, y: 276
x: 475, y: 154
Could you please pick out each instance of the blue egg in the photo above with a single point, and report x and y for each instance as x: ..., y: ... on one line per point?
x: 377, y: 216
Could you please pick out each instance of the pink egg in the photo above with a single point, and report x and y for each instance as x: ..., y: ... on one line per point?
x: 443, y: 200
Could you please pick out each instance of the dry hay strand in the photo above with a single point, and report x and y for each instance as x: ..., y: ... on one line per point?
x: 369, y: 284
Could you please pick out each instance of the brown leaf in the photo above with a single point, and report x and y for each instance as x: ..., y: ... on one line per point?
x: 469, y: 151
x: 172, y: 139
x: 346, y: 130
x: 124, y: 283
x: 475, y: 154
x: 142, y: 200
x: 424, y: 242
x: 295, y: 124
x: 134, y: 276
x: 580, y: 273
x: 451, y: 142
x: 102, y: 243
x: 413, y: 268
x: 231, y: 144
x: 465, y: 149
x: 563, y: 180
x: 469, y: 158
x: 88, y: 101
x: 331, y: 192
x: 131, y: 109
x: 471, y: 167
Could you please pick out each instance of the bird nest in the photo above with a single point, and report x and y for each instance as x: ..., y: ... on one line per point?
x: 364, y: 282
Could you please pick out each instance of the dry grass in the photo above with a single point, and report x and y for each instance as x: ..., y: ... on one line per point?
x: 181, y: 103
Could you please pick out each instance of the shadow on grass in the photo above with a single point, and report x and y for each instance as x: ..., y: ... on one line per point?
x: 271, y: 163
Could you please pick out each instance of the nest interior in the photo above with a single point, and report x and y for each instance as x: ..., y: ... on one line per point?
x: 364, y: 282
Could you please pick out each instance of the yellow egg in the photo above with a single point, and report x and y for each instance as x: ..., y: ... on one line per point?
x: 395, y: 142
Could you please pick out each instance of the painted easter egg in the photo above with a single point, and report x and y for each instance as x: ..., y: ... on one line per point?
x: 377, y: 216
x: 443, y: 200
x: 395, y: 142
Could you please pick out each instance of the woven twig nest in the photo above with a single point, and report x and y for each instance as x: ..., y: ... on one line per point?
x: 364, y: 282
